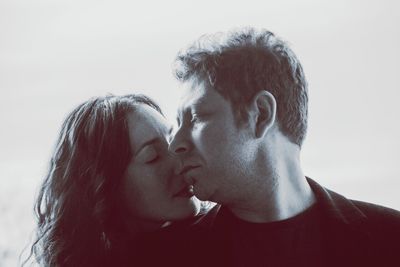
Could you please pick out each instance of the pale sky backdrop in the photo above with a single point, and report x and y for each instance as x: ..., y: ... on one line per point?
x: 54, y: 54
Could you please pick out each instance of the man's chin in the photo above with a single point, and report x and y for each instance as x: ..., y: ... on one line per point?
x: 195, y: 204
x: 201, y: 195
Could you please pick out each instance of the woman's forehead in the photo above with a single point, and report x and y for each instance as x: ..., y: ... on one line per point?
x: 145, y: 124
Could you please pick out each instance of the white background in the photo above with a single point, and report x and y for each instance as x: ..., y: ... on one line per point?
x: 56, y: 54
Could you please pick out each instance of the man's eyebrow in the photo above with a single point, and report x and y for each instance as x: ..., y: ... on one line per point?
x: 149, y: 142
x: 200, y: 103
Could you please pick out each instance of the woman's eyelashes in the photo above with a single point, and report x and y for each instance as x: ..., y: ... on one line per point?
x: 153, y: 159
x: 149, y: 155
x: 154, y: 153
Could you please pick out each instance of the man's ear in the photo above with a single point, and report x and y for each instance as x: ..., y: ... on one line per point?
x: 263, y: 112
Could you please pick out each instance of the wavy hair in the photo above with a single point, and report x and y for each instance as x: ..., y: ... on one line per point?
x: 79, y: 221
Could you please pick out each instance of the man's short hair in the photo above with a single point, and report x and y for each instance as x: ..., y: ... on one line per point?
x: 241, y: 63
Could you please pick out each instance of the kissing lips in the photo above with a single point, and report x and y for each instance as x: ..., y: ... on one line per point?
x: 187, y: 169
x: 186, y: 192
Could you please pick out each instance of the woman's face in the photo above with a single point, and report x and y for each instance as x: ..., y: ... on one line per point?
x: 151, y: 188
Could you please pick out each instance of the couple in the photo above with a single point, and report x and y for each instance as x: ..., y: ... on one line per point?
x: 121, y: 186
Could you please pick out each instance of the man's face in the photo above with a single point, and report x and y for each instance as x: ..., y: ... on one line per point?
x: 210, y: 144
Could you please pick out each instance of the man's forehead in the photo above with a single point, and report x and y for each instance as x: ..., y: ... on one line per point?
x: 193, y: 94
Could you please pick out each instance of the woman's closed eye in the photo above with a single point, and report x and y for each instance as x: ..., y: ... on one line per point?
x: 149, y: 155
x: 153, y: 159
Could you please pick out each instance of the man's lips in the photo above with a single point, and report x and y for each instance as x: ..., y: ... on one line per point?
x: 188, y: 168
x: 187, y: 191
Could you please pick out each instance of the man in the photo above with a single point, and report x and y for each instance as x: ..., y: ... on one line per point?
x: 241, y: 125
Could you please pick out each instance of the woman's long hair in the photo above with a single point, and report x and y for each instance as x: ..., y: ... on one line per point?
x: 79, y: 223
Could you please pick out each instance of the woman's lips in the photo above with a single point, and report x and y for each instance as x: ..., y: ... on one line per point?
x: 187, y: 192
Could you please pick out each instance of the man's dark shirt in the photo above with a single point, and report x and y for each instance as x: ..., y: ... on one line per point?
x: 292, y: 242
x: 285, y: 243
x: 336, y: 231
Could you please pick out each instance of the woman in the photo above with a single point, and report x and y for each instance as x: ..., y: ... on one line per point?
x: 111, y: 179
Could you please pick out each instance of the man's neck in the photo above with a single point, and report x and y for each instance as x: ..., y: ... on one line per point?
x: 278, y: 194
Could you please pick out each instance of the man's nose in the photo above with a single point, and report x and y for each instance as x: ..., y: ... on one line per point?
x: 179, y: 143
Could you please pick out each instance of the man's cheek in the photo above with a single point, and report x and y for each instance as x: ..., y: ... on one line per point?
x: 199, y: 132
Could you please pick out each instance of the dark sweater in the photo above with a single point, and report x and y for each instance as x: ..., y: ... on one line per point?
x: 336, y: 231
